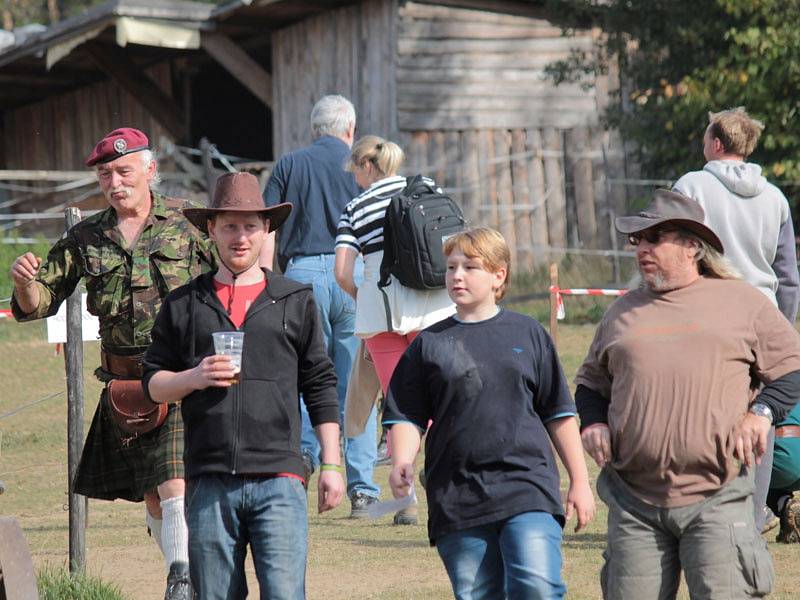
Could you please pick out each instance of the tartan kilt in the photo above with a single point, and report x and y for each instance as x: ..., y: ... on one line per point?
x: 115, y: 464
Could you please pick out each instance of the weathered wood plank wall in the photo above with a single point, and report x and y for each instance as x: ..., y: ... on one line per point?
x: 523, y: 156
x: 477, y: 69
x: 518, y: 181
x: 348, y: 51
x: 60, y: 132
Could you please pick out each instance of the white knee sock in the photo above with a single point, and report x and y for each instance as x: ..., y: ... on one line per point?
x: 174, y: 533
x: 154, y: 525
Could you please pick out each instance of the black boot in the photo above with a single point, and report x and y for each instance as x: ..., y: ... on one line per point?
x: 179, y: 586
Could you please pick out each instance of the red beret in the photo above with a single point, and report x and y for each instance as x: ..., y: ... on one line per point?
x: 118, y: 143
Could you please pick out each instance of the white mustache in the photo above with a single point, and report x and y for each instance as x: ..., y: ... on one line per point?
x: 126, y: 190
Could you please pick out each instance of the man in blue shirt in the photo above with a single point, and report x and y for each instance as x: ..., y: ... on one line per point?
x: 313, y: 179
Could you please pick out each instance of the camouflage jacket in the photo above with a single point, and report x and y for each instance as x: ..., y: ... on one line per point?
x: 124, y: 286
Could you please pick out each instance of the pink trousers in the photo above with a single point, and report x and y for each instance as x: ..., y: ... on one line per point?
x: 386, y: 349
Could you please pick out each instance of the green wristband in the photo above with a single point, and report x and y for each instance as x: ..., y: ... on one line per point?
x: 331, y: 467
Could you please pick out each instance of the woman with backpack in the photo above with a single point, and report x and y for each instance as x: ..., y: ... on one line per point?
x: 387, y: 318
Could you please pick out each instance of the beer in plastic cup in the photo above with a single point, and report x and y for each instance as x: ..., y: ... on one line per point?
x: 230, y: 343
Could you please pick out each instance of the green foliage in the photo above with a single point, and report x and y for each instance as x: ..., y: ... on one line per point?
x: 60, y: 584
x: 9, y: 251
x: 679, y: 59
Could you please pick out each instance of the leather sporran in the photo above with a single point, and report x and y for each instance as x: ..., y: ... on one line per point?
x: 131, y: 409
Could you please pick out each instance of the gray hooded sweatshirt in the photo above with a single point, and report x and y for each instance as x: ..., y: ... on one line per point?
x: 752, y: 218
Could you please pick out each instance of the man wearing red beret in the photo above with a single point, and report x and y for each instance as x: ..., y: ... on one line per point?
x: 130, y: 256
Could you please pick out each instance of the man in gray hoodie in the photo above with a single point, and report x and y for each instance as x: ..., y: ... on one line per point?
x: 752, y: 218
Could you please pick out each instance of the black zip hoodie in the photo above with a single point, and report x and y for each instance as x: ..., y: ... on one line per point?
x: 252, y: 428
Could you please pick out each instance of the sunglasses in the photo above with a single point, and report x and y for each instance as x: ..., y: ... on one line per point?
x: 652, y: 236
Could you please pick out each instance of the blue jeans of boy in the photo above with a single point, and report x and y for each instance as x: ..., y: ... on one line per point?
x: 225, y: 513
x: 519, y: 557
x: 338, y: 317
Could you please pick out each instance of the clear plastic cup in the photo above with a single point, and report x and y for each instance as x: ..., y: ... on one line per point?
x: 230, y: 343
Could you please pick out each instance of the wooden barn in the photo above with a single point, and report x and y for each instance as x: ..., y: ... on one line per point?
x: 458, y: 83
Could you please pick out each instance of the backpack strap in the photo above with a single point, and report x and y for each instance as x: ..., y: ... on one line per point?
x: 387, y: 309
x: 389, y: 258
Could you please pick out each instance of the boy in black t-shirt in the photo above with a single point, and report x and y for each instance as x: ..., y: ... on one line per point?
x: 491, y: 382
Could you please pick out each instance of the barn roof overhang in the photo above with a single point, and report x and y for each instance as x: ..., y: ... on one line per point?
x: 121, y: 38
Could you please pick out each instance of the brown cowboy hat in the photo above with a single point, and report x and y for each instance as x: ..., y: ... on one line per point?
x: 675, y: 209
x: 237, y: 192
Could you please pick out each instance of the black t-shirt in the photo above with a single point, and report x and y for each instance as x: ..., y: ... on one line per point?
x: 489, y: 387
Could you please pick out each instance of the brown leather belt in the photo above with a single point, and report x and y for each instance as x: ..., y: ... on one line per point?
x: 788, y: 431
x: 122, y: 366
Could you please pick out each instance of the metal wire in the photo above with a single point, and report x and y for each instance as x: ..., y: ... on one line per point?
x: 11, y: 413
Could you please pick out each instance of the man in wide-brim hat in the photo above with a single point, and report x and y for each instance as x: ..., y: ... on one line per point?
x: 244, y: 469
x: 669, y: 410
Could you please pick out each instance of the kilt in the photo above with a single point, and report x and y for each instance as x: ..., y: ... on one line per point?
x: 116, y: 465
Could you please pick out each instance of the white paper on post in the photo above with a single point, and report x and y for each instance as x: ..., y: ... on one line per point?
x: 57, y: 325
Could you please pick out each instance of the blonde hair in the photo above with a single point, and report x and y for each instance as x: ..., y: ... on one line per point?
x: 489, y: 246
x: 710, y: 262
x: 384, y: 155
x: 715, y: 265
x: 737, y: 130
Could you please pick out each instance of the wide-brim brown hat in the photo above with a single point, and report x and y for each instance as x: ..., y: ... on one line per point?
x: 238, y: 192
x: 675, y: 209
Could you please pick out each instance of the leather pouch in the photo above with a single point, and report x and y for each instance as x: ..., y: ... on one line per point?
x: 131, y: 410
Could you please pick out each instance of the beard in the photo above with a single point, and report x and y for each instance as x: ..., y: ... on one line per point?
x: 657, y: 281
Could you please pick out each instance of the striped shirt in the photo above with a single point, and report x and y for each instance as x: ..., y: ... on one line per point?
x: 361, y: 224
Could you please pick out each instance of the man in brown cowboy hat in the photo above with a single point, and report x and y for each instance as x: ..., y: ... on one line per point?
x: 670, y: 408
x: 244, y: 468
x: 130, y: 256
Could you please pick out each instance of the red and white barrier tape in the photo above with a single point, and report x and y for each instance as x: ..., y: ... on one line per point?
x: 561, y: 313
x: 5, y: 313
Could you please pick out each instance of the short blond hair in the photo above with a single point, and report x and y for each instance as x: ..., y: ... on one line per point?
x: 385, y: 156
x: 737, y: 130
x: 489, y: 246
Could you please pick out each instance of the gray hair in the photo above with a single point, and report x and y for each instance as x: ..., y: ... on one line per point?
x: 147, y: 158
x: 332, y: 115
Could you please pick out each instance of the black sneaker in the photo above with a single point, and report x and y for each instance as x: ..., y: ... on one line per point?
x: 179, y: 586
x: 359, y: 505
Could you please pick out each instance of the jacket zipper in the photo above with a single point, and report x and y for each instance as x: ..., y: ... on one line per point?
x: 236, y: 424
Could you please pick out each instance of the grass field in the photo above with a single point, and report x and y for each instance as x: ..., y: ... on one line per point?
x: 347, y: 559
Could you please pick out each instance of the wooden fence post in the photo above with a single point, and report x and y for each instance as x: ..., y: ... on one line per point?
x: 73, y: 358
x: 554, y: 303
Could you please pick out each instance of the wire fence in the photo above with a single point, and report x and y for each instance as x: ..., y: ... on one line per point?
x: 19, y: 409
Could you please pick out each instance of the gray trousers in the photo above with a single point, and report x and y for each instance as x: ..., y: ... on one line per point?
x: 713, y: 541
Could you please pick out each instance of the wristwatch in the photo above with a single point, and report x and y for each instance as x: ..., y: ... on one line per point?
x: 761, y: 410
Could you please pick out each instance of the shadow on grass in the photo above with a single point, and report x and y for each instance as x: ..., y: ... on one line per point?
x: 585, y: 541
x: 385, y: 543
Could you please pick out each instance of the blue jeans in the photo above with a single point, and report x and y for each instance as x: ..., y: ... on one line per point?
x: 226, y: 512
x: 338, y: 317
x: 517, y: 558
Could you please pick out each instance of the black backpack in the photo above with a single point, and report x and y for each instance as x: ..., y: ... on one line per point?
x: 418, y: 221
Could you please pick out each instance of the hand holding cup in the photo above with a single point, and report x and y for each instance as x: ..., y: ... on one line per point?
x: 229, y: 344
x: 216, y: 370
